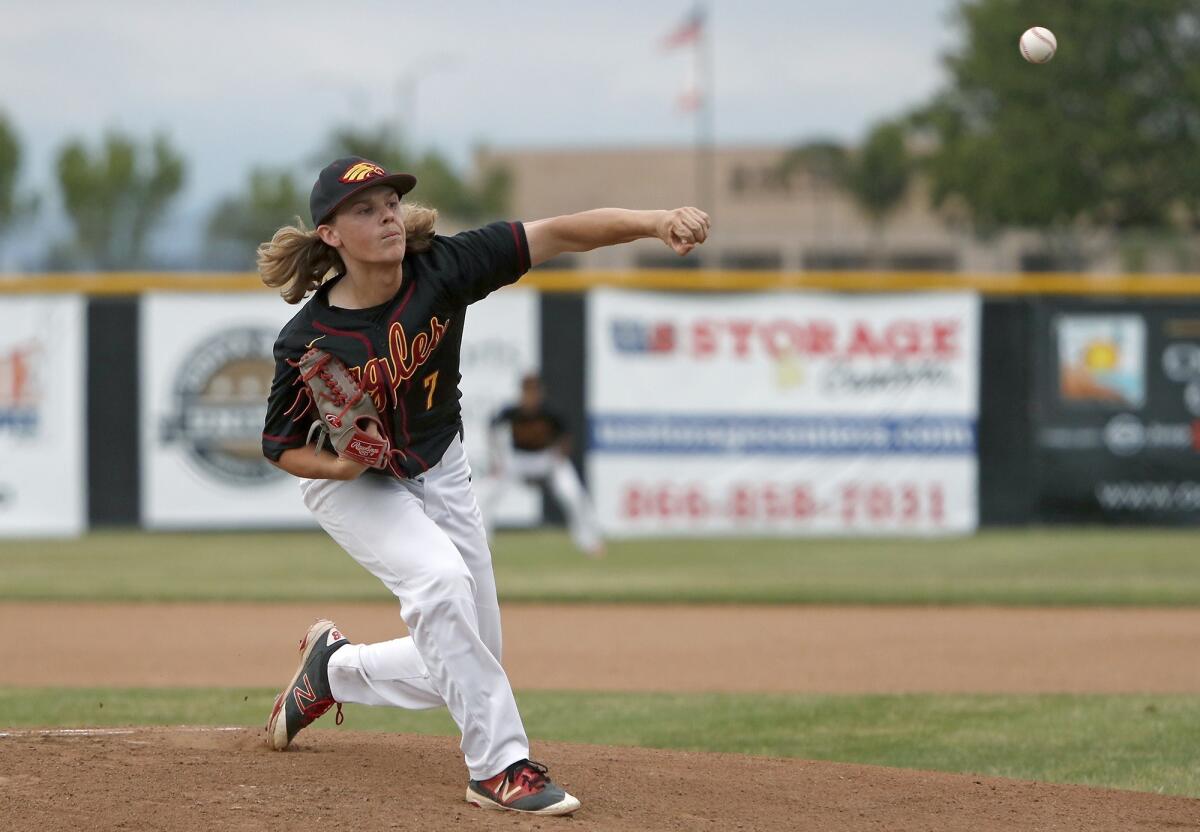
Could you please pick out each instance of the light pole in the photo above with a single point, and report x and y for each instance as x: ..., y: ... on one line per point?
x: 406, y: 91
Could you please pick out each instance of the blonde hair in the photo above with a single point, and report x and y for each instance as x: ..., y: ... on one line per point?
x: 297, y: 261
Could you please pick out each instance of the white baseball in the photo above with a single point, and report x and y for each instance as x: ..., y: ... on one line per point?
x: 1038, y: 45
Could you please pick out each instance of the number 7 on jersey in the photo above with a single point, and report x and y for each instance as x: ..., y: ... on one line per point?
x: 430, y: 385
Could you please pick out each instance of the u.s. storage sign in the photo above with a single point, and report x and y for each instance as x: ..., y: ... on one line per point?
x: 783, y: 413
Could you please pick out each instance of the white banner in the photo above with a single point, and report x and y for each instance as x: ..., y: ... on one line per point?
x: 206, y: 370
x: 501, y: 343
x: 783, y: 413
x: 42, y: 451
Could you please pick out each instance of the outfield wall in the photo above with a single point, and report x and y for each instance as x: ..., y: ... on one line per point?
x: 1081, y: 396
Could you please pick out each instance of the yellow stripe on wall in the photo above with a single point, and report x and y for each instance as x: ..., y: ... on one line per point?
x: 759, y: 281
x: 1185, y: 285
x: 130, y: 283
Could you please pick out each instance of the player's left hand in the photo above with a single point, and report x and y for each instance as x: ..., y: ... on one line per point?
x: 683, y: 229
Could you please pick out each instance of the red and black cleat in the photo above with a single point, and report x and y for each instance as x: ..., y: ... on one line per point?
x: 522, y: 787
x: 308, y: 695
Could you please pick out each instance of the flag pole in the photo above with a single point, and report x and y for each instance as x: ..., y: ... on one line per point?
x: 705, y: 172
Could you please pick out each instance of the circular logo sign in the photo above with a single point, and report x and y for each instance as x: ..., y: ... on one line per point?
x: 1191, y: 398
x: 1125, y: 435
x: 220, y: 404
x: 1181, y: 362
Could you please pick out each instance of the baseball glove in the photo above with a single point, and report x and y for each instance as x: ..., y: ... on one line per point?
x: 345, y: 413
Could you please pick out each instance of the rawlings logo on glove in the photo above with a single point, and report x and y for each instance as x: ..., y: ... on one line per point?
x: 348, y: 416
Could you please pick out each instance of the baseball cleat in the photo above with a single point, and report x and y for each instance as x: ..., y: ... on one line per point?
x: 308, y: 695
x: 522, y: 787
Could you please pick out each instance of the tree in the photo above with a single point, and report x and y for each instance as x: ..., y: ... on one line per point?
x: 879, y: 174
x: 437, y: 183
x: 15, y: 208
x: 272, y: 198
x: 876, y: 176
x: 824, y: 160
x: 116, y: 197
x: 1105, y: 135
x: 239, y: 223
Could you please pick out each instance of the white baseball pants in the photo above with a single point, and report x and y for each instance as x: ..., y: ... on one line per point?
x: 424, y: 539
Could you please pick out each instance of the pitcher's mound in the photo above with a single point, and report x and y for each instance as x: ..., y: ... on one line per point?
x: 204, y: 778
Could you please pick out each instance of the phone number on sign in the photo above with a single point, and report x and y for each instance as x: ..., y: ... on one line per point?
x: 851, y: 503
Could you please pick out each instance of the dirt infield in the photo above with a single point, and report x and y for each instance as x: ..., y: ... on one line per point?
x: 181, y: 779
x: 188, y: 778
x: 639, y: 648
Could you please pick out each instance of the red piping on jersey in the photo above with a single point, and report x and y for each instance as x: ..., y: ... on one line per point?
x: 302, y: 395
x: 404, y: 426
x: 407, y: 297
x: 424, y: 465
x: 403, y: 417
x: 522, y: 254
x: 328, y: 330
x: 282, y: 440
x: 407, y: 451
x: 399, y: 395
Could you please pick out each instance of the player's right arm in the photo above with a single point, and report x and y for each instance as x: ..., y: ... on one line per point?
x: 682, y: 229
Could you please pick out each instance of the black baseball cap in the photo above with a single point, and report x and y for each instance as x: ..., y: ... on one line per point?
x: 343, y: 178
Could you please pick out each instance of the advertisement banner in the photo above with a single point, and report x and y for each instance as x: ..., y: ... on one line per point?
x: 206, y: 370
x: 1117, y: 425
x: 501, y: 343
x: 42, y: 344
x: 783, y: 414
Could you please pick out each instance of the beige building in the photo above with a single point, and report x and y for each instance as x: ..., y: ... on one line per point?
x: 764, y: 217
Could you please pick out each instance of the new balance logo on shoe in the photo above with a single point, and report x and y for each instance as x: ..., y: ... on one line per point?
x: 304, y: 694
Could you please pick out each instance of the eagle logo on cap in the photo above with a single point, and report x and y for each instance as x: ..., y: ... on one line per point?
x: 361, y: 172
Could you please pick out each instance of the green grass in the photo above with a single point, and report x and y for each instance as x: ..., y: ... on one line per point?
x: 1026, y: 567
x: 1145, y: 743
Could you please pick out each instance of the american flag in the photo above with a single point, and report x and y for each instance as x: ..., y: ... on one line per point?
x: 689, y: 31
x: 690, y: 100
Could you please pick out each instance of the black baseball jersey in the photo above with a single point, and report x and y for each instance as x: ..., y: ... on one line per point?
x: 532, y: 430
x: 404, y: 352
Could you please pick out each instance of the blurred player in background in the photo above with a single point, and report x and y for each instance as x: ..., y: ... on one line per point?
x: 529, y: 443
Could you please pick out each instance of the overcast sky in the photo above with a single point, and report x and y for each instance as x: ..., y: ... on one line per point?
x: 261, y: 81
